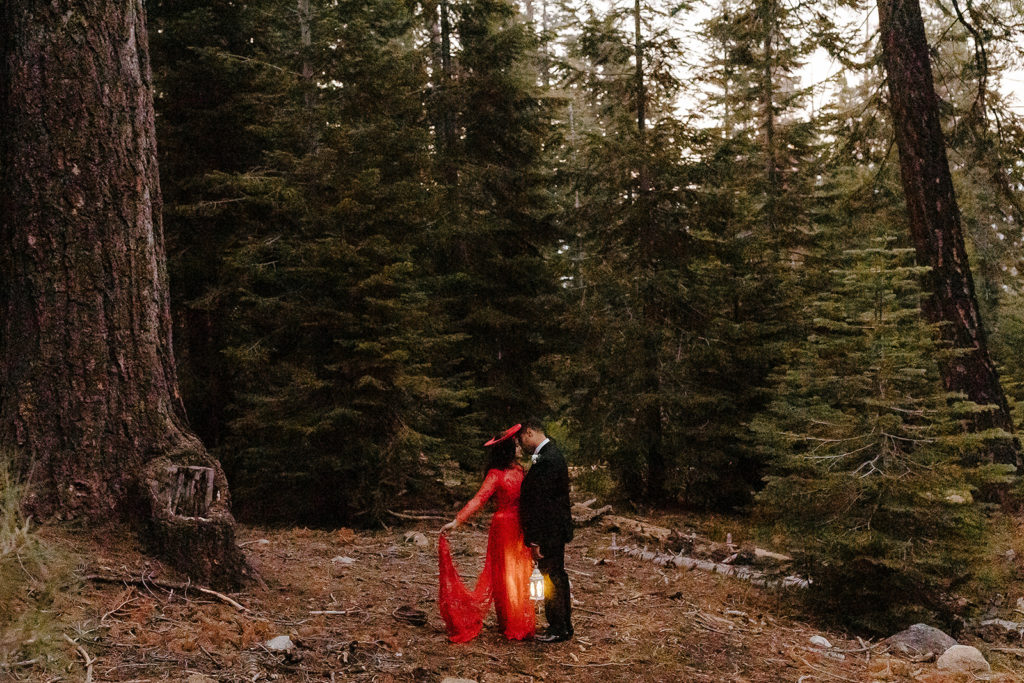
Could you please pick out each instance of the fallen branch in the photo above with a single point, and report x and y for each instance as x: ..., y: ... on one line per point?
x: 127, y: 595
x: 758, y: 578
x: 85, y: 655
x: 14, y: 665
x: 691, y: 542
x: 166, y: 585
x: 334, y: 611
x: 582, y: 514
x: 418, y: 517
x: 637, y: 528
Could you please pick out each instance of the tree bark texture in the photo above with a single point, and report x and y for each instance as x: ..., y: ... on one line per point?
x: 89, y: 403
x: 935, y: 219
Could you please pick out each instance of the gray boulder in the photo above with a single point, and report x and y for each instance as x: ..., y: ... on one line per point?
x: 920, y: 640
x: 963, y: 659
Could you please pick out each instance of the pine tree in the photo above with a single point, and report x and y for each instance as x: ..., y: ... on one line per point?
x: 869, y: 484
x: 494, y: 230
x: 757, y: 207
x: 212, y: 81
x: 313, y: 332
x: 90, y: 404
x: 627, y: 265
x: 338, y: 355
x: 934, y: 220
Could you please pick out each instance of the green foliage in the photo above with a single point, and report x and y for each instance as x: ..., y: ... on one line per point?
x: 332, y: 341
x: 354, y: 293
x: 871, y: 481
x: 32, y: 576
x: 388, y: 236
x: 626, y: 268
x: 685, y: 269
x: 494, y: 228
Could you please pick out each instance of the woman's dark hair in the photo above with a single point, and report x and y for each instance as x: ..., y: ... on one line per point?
x: 501, y: 455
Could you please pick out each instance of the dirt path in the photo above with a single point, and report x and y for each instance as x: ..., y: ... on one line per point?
x: 634, y: 621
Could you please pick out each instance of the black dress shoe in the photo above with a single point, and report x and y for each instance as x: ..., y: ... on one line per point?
x: 556, y: 637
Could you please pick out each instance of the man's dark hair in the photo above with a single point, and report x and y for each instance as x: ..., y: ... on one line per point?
x: 533, y: 423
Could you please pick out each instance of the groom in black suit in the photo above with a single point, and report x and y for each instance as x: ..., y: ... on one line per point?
x: 546, y: 519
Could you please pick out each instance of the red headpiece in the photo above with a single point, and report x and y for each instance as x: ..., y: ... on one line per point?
x: 508, y: 434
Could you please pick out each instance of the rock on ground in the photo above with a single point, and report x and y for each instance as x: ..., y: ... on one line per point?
x: 820, y: 641
x: 280, y: 644
x: 199, y: 678
x: 993, y: 630
x: 417, y: 538
x: 963, y: 659
x: 919, y: 640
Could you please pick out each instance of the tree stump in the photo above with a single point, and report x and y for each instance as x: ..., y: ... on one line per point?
x: 190, y: 523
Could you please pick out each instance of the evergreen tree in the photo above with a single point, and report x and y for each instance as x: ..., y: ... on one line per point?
x: 310, y: 300
x: 758, y: 207
x: 625, y: 385
x: 212, y: 85
x: 338, y: 356
x: 934, y: 221
x: 494, y: 229
x: 869, y: 484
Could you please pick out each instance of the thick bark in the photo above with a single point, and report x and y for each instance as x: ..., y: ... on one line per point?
x: 89, y: 400
x: 935, y: 219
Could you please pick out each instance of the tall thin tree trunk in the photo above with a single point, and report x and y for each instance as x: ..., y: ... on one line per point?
x: 306, y: 41
x: 641, y: 88
x: 89, y: 400
x: 935, y: 219
x: 652, y: 310
x: 447, y: 137
x: 768, y: 13
x: 545, y: 47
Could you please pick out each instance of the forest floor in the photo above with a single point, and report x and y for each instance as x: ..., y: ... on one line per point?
x: 634, y: 620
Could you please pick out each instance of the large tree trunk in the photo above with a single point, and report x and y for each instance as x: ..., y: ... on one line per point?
x: 935, y: 219
x: 89, y: 402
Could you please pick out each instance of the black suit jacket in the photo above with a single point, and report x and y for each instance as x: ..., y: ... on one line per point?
x: 544, y: 510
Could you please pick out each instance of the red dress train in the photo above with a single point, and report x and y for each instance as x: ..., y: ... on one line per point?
x: 505, y: 578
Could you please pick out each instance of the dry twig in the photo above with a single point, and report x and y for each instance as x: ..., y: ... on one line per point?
x: 166, y: 585
x: 85, y: 655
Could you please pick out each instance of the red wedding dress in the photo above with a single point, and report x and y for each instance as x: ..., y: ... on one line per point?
x: 505, y: 578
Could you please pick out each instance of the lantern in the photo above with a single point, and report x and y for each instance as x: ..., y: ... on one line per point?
x: 536, y: 584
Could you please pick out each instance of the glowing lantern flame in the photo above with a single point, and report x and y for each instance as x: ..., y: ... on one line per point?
x: 536, y: 584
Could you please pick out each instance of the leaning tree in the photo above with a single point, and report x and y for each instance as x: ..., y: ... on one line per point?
x: 90, y: 410
x: 935, y: 221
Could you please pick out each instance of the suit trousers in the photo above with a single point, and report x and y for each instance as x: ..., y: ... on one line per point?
x: 557, y: 601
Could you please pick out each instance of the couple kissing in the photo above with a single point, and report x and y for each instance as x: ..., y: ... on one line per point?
x: 532, y: 523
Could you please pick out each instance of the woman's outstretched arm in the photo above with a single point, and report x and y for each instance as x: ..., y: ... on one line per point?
x: 487, y: 490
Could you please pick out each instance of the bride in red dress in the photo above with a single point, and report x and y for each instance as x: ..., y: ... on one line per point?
x: 505, y: 578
